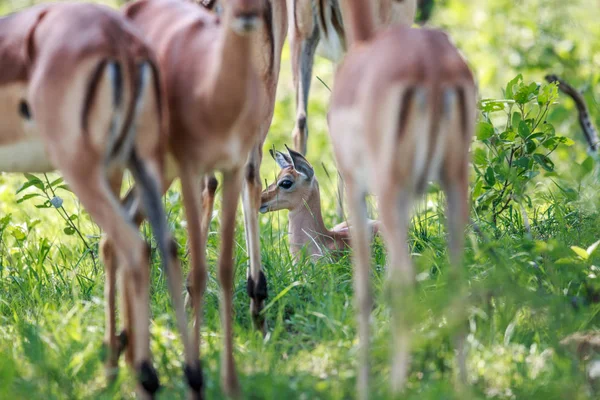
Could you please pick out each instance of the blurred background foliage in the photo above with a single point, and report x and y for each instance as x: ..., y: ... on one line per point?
x: 531, y: 262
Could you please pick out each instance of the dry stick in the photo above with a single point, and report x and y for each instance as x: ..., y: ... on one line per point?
x: 589, y: 130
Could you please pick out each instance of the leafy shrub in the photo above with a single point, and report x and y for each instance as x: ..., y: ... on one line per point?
x: 514, y: 144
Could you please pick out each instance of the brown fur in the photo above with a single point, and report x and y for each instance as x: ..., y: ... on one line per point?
x: 220, y: 87
x: 60, y: 62
x: 408, y: 99
x: 266, y: 57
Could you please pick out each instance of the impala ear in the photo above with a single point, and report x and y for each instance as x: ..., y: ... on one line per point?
x: 301, y: 164
x: 283, y: 160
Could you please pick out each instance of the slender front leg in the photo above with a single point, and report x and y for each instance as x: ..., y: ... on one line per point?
x: 304, y: 38
x: 197, y: 281
x: 257, y: 282
x: 361, y: 238
x: 232, y: 182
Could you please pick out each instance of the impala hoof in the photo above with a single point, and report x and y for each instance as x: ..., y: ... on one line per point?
x: 195, y: 379
x: 148, y: 378
x: 258, y: 293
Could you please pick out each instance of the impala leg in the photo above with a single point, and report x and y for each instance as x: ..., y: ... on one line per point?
x: 457, y: 192
x: 110, y: 337
x: 190, y: 185
x: 394, y: 208
x: 111, y: 341
x: 303, y: 46
x: 148, y: 176
x: 232, y: 182
x: 208, y: 188
x: 95, y: 194
x: 257, y: 282
x: 361, y: 239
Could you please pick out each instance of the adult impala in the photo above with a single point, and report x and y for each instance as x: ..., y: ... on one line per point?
x: 211, y: 68
x: 317, y: 26
x: 79, y: 93
x: 266, y: 58
x: 407, y: 99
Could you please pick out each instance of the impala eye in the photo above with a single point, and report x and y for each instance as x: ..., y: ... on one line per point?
x: 286, y: 184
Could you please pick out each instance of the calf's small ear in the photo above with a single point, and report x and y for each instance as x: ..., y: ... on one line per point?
x: 283, y: 160
x: 301, y: 164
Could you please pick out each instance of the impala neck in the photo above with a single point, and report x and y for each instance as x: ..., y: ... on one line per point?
x: 359, y: 18
x: 306, y: 222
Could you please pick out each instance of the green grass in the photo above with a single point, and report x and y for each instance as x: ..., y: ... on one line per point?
x: 525, y: 291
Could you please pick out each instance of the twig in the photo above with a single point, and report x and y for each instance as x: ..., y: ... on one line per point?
x: 589, y: 130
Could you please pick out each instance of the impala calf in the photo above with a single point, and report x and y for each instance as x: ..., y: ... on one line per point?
x: 216, y: 103
x: 297, y: 190
x: 407, y: 99
x: 79, y: 94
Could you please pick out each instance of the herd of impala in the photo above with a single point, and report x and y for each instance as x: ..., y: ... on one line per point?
x: 174, y: 89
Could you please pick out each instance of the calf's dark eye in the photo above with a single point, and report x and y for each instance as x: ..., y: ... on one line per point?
x: 286, y: 184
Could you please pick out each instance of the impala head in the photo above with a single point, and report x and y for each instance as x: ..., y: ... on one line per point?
x: 246, y: 14
x: 294, y: 185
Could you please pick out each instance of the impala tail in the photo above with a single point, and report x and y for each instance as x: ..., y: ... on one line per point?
x: 429, y: 130
x: 147, y: 176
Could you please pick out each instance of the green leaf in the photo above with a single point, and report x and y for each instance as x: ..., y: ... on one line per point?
x: 548, y: 129
x: 530, y: 146
x: 565, y: 140
x: 489, y: 105
x: 550, y: 144
x: 524, y: 129
x: 4, y: 221
x: 510, y: 90
x: 56, y: 182
x: 548, y: 94
x: 525, y: 93
x: 69, y: 230
x: 27, y: 197
x: 37, y: 183
x: 18, y: 233
x: 485, y: 130
x: 490, y: 177
x: 479, y: 156
x: 580, y: 252
x: 516, y: 119
x: 587, y: 165
x: 508, y: 136
x: 544, y: 162
x: 523, y: 162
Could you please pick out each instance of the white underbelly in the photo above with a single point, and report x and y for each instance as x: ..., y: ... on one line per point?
x: 24, y: 156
